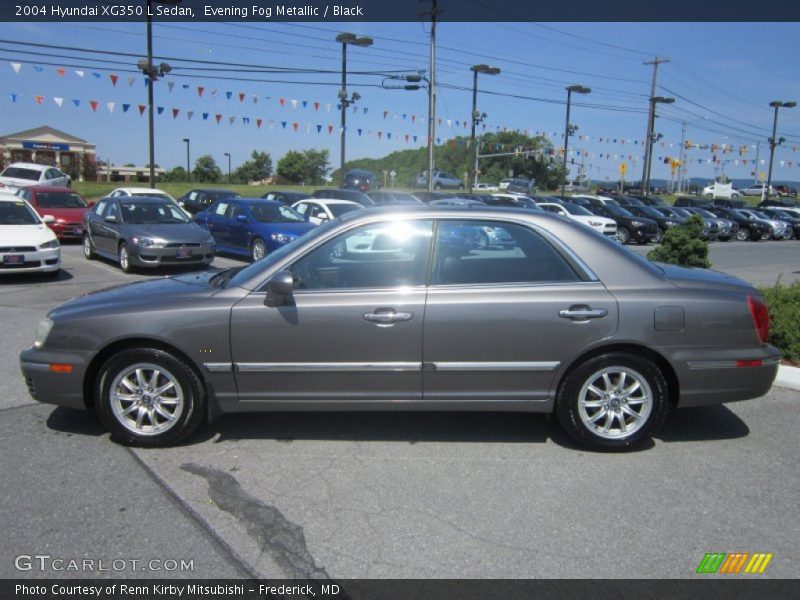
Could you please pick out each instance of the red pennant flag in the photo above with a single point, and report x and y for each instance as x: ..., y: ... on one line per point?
x: 218, y: 118
x: 316, y: 105
x: 386, y: 112
x: 281, y: 101
x: 295, y: 125
x: 175, y: 112
x: 330, y: 128
x: 113, y: 79
x: 380, y: 134
x: 60, y: 71
x: 258, y: 123
x: 241, y: 96
x: 406, y: 138
x: 93, y: 104
x: 39, y: 99
x: 413, y: 118
x: 141, y: 109
x: 200, y: 90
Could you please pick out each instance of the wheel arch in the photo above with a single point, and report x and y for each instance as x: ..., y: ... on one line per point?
x: 673, y: 385
x: 93, y: 369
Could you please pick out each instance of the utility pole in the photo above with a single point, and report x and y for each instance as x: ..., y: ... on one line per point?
x: 432, y: 94
x: 682, y: 158
x: 755, y: 169
x: 650, y: 124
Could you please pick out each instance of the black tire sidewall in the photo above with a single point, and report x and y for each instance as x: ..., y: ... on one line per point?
x: 253, y: 249
x: 193, y: 391
x: 567, y: 400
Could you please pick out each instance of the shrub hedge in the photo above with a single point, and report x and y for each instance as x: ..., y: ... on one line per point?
x: 783, y: 303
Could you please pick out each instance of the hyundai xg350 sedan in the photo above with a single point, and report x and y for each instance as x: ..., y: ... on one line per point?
x: 401, y: 310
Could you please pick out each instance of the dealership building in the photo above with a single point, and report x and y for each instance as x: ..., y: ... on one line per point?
x: 47, y: 145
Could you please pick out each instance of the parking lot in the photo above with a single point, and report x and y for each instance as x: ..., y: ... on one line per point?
x: 394, y: 495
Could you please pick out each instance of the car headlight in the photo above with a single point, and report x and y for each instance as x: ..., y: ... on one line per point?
x: 596, y: 223
x: 42, y: 331
x: 669, y: 224
x: 281, y: 238
x: 147, y: 242
x: 210, y: 240
x: 51, y: 244
x: 637, y: 223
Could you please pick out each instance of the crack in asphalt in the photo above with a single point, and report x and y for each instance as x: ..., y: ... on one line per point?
x: 278, y: 537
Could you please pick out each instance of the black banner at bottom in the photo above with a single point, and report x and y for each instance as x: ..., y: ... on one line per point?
x: 709, y: 588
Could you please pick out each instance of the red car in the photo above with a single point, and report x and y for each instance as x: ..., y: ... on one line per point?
x: 65, y: 205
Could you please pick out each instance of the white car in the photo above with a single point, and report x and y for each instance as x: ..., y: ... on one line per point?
x: 577, y: 213
x: 27, y: 244
x: 486, y: 187
x: 320, y: 210
x: 19, y: 175
x: 504, y: 184
x: 600, y: 199
x: 720, y: 190
x: 150, y: 192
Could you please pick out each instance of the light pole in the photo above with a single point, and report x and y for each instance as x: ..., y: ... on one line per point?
x: 345, y: 102
x: 188, y: 172
x: 477, y: 117
x: 152, y: 73
x: 776, y: 104
x: 570, y: 129
x: 650, y: 139
x: 228, y: 155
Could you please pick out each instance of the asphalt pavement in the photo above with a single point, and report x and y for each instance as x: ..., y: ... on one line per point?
x: 392, y: 495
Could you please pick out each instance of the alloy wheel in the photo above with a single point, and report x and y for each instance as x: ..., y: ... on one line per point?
x: 615, y: 402
x: 146, y: 399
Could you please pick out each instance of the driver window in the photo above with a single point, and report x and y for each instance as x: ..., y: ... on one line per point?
x: 113, y: 210
x: 380, y: 255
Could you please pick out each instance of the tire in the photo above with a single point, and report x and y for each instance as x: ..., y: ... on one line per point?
x: 659, y: 236
x: 258, y: 250
x: 743, y: 234
x: 599, y: 421
x: 176, y: 412
x: 437, y: 186
x: 623, y: 235
x: 88, y: 248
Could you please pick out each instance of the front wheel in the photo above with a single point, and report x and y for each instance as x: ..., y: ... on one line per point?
x: 623, y: 235
x: 258, y: 250
x: 148, y: 397
x: 88, y: 248
x: 743, y: 234
x: 125, y: 258
x: 611, y: 401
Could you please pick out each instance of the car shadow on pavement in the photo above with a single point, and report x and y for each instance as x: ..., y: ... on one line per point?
x: 74, y: 421
x: 37, y: 278
x: 702, y: 423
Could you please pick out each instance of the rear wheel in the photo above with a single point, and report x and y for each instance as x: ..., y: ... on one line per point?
x: 611, y: 401
x: 148, y: 397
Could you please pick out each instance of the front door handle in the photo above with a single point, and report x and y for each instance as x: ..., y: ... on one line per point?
x: 582, y: 313
x: 384, y: 317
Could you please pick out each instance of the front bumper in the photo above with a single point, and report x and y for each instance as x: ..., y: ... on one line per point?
x: 52, y: 386
x: 172, y: 255
x: 644, y: 234
x: 33, y: 261
x: 68, y: 231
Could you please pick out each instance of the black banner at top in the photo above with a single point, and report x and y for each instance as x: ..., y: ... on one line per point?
x: 400, y: 10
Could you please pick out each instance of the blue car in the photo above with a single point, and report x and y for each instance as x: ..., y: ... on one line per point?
x: 251, y: 227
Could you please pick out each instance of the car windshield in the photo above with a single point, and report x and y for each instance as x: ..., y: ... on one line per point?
x: 574, y: 209
x: 150, y: 213
x: 339, y: 209
x: 241, y: 277
x: 217, y: 194
x: 650, y: 212
x: 744, y: 214
x: 17, y: 213
x: 618, y: 210
x: 704, y: 213
x: 681, y: 212
x: 60, y: 200
x: 274, y: 213
x: 21, y: 173
x: 152, y: 195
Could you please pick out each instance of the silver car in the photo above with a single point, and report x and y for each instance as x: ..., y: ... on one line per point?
x: 390, y: 309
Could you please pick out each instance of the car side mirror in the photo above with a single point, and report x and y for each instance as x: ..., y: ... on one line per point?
x: 278, y: 288
x: 48, y: 219
x: 111, y: 219
x: 241, y: 218
x: 322, y: 216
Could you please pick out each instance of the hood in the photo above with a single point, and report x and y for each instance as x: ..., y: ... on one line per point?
x: 171, y: 232
x: 68, y: 215
x: 25, y: 235
x: 189, y: 287
x: 693, y: 277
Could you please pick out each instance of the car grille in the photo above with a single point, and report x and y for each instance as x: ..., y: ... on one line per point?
x: 651, y: 229
x: 29, y: 264
x: 180, y: 244
x: 17, y: 249
x: 188, y: 259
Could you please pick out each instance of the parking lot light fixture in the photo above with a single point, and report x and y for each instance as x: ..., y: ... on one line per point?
x: 228, y: 155
x: 188, y: 171
x: 477, y: 116
x: 346, y: 39
x: 774, y: 141
x: 570, y: 129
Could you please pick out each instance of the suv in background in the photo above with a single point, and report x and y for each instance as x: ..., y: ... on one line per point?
x: 521, y: 186
x: 688, y: 201
x: 361, y: 180
x: 441, y: 181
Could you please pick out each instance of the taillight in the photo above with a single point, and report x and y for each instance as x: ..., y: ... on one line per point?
x: 758, y: 310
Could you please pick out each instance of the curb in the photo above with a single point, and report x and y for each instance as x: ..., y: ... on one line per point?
x: 788, y: 377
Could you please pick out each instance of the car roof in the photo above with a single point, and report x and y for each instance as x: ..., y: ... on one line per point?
x: 142, y: 198
x: 4, y: 198
x: 36, y: 166
x: 50, y: 188
x: 138, y: 190
x: 328, y: 201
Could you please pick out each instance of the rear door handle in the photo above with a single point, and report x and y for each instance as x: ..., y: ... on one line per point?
x: 384, y: 317
x: 582, y: 313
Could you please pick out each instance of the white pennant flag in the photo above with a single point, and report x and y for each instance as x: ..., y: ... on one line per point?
x: 16, y: 67
x: 110, y: 106
x: 189, y: 115
x: 170, y: 85
x: 294, y: 103
x: 255, y: 98
x: 58, y: 101
x: 231, y: 119
x: 79, y: 73
x: 214, y: 92
x: 131, y: 81
x: 328, y: 107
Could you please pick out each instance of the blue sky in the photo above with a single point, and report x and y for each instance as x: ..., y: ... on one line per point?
x: 723, y: 77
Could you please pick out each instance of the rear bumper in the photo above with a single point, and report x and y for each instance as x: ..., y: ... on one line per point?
x: 53, y: 387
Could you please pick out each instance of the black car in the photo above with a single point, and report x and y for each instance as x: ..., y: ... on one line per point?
x: 776, y: 202
x: 512, y: 201
x: 776, y: 213
x: 729, y: 203
x: 664, y: 222
x: 517, y: 185
x: 431, y: 196
x: 727, y: 228
x: 627, y: 200
x: 629, y: 226
x: 711, y: 223
x: 386, y: 198
x: 689, y: 201
x: 650, y: 200
x: 200, y: 199
x: 361, y: 180
x: 749, y: 229
x: 287, y: 198
x: 352, y: 195
x: 539, y: 198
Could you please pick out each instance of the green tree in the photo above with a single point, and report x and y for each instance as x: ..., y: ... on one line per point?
x: 308, y: 167
x: 88, y: 168
x: 260, y: 167
x: 682, y: 246
x: 176, y: 175
x: 206, y: 170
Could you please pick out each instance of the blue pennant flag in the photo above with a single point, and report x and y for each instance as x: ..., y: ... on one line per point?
x: 305, y: 103
x: 38, y: 69
x: 319, y: 128
x: 365, y: 110
x: 283, y: 124
x: 228, y: 95
x: 205, y: 116
x: 125, y: 107
x: 388, y: 136
x: 97, y: 75
x: 13, y: 97
x: 76, y: 101
x: 160, y: 109
x: 359, y: 131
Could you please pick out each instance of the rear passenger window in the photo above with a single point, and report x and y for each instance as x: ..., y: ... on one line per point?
x: 492, y: 252
x: 101, y: 208
x: 221, y: 208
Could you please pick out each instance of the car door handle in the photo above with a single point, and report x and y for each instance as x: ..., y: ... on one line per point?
x: 387, y: 316
x: 582, y: 313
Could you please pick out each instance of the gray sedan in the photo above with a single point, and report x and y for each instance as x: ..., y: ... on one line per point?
x: 401, y: 310
x: 144, y: 232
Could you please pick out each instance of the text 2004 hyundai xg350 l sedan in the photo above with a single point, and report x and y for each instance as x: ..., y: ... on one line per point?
x: 404, y: 310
